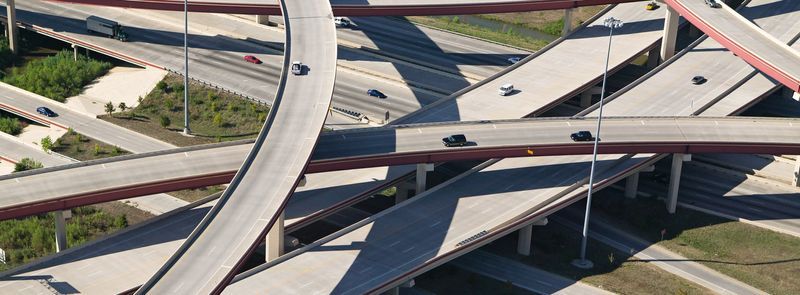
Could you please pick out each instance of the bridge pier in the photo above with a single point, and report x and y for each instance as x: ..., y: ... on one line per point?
x: 632, y: 186
x: 790, y: 93
x: 567, y: 21
x: 396, y: 290
x: 653, y: 58
x: 675, y: 180
x: 13, y: 32
x: 75, y: 52
x: 586, y: 96
x: 401, y: 192
x: 61, y: 229
x: 265, y: 20
x: 422, y: 176
x: 796, y: 178
x: 526, y: 236
x: 670, y: 33
x: 274, y: 240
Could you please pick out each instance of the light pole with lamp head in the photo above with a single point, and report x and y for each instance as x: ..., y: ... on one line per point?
x: 186, y: 130
x: 612, y: 24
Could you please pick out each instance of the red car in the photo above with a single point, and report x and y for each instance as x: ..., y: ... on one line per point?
x: 252, y: 59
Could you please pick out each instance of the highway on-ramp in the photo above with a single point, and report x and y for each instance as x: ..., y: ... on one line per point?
x: 751, y: 43
x: 250, y: 206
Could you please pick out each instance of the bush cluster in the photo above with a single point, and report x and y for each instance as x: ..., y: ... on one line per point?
x: 10, y: 125
x: 29, y: 238
x: 59, y: 76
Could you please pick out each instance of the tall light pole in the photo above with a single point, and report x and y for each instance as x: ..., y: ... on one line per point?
x: 612, y: 24
x: 186, y: 130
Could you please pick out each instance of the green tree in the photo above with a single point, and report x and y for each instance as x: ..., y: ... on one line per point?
x: 10, y: 125
x: 27, y: 164
x: 164, y: 120
x: 122, y: 106
x: 47, y: 144
x: 121, y: 221
x: 110, y: 108
x: 96, y: 149
x: 57, y: 77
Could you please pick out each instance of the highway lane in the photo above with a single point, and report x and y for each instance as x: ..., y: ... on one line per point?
x: 751, y: 43
x: 552, y: 76
x: 363, y: 259
x: 158, y: 41
x: 13, y: 149
x: 131, y: 176
x: 252, y: 203
x: 729, y: 79
x: 80, y: 122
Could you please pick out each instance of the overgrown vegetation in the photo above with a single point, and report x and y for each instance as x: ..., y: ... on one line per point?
x: 758, y: 257
x: 59, y: 76
x: 10, y: 125
x: 27, y: 164
x: 6, y: 56
x: 547, y: 21
x: 81, y: 147
x: 214, y: 115
x: 509, y: 37
x: 191, y: 195
x: 32, y: 237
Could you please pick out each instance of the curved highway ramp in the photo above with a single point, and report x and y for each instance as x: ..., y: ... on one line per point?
x: 250, y: 206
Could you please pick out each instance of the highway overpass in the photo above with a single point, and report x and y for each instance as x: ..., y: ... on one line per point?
x: 360, y: 8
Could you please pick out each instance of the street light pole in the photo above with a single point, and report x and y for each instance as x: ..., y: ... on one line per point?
x: 610, y: 23
x: 186, y: 130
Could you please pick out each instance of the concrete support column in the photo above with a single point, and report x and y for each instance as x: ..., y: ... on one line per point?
x: 61, y: 229
x: 653, y: 58
x: 275, y: 241
x: 694, y: 32
x: 796, y: 178
x: 422, y: 176
x: 13, y: 32
x: 632, y: 185
x: 526, y: 236
x: 790, y: 93
x: 75, y: 52
x: 401, y: 193
x: 567, y: 21
x: 675, y: 180
x: 586, y: 96
x: 670, y: 33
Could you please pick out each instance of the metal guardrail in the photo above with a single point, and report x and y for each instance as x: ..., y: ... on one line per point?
x: 218, y: 87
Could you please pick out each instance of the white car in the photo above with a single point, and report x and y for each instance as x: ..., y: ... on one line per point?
x: 341, y: 22
x: 297, y: 68
x: 514, y: 59
x: 506, y: 89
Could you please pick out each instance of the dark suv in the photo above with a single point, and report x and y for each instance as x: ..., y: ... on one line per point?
x: 713, y: 4
x: 45, y: 111
x: 581, y: 136
x: 455, y: 140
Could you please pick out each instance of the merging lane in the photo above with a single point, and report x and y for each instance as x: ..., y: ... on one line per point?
x: 250, y: 206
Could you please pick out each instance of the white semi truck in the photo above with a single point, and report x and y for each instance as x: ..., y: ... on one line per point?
x: 106, y: 27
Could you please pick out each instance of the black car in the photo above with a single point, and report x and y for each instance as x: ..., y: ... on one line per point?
x: 455, y: 140
x: 581, y: 136
x: 376, y: 93
x: 45, y: 111
x: 697, y: 80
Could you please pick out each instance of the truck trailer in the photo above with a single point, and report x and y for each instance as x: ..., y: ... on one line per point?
x: 106, y: 27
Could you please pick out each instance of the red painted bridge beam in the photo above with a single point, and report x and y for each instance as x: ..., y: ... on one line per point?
x: 739, y: 49
x: 354, y: 10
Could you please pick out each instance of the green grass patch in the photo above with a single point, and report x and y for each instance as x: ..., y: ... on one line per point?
x: 57, y: 77
x: 28, y: 238
x: 555, y: 246
x: 508, y: 37
x: 215, y: 115
x: 81, y: 147
x: 549, y: 21
x: 758, y: 257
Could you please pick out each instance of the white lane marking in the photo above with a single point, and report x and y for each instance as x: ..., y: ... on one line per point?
x: 16, y: 179
x: 569, y: 124
x: 494, y: 126
x: 365, y: 270
x: 103, y: 165
x: 186, y: 154
x: 419, y: 131
x: 344, y: 137
x: 409, y: 249
x: 395, y: 243
x: 435, y: 223
x: 26, y: 288
x: 716, y: 122
x: 642, y: 122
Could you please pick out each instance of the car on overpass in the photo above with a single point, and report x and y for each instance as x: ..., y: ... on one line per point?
x: 713, y: 4
x: 455, y: 140
x: 297, y: 68
x: 581, y: 136
x: 376, y: 93
x: 46, y: 111
x: 252, y: 59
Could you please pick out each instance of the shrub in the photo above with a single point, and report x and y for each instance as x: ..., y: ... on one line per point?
x: 47, y: 144
x: 122, y: 106
x: 169, y: 104
x: 110, y: 108
x: 10, y: 125
x: 161, y: 85
x: 59, y: 76
x: 164, y: 120
x: 27, y: 164
x: 96, y: 149
x: 217, y: 120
